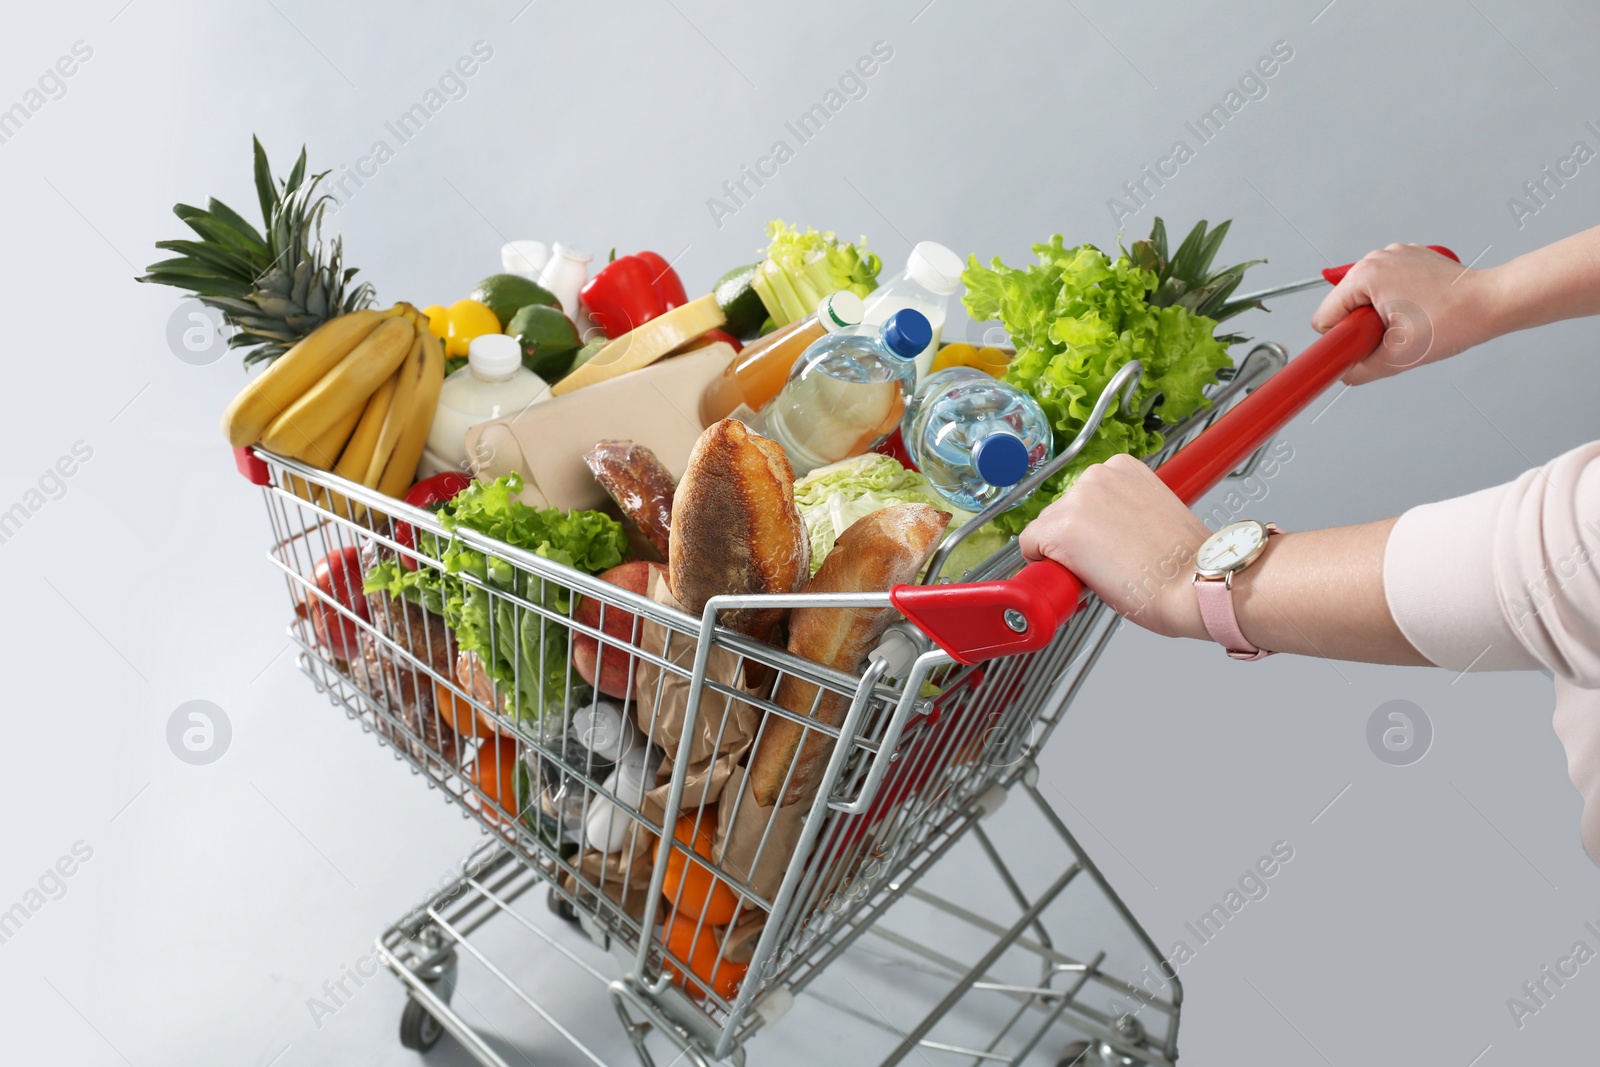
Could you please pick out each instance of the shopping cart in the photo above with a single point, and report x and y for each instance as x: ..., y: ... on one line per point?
x: 703, y: 948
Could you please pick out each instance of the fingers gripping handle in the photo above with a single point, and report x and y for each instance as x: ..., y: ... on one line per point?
x: 1335, y: 275
x: 983, y: 620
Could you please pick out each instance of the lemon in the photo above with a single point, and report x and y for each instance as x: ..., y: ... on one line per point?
x: 438, y: 320
x: 468, y: 319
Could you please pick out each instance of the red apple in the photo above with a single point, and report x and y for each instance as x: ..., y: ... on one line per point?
x: 612, y: 662
x: 338, y: 577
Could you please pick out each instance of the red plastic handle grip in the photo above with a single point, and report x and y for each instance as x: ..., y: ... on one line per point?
x: 982, y: 620
x: 1335, y: 275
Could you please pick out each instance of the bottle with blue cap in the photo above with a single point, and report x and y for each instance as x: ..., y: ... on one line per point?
x: 847, y: 392
x: 974, y: 437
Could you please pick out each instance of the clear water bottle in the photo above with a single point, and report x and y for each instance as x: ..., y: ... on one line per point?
x: 974, y: 437
x: 931, y: 386
x: 846, y: 392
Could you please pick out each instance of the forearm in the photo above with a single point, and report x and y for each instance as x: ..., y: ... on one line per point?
x: 1318, y: 593
x: 1556, y: 282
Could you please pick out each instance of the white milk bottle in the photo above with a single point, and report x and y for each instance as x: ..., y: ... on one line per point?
x: 493, y: 383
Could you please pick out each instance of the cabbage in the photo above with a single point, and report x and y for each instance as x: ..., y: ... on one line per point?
x: 832, y: 498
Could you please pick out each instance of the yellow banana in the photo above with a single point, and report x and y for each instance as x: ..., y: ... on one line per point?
x: 291, y: 374
x: 402, y: 466
x: 357, y: 455
x: 350, y: 381
x: 324, y: 452
x: 400, y: 413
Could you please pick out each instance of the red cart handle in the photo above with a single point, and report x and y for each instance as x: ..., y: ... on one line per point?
x: 982, y: 620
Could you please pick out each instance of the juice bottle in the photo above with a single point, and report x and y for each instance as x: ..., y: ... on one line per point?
x: 847, y: 391
x: 758, y: 372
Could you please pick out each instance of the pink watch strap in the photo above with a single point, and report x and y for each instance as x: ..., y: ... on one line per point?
x: 1215, y: 597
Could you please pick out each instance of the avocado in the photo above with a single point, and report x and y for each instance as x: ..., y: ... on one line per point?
x: 548, y: 339
x: 506, y: 294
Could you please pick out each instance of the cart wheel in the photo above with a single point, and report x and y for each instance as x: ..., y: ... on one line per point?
x: 419, y: 1031
x: 561, y: 907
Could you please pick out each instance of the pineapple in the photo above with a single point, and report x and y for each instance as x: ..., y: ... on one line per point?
x: 1186, y: 278
x: 273, y: 289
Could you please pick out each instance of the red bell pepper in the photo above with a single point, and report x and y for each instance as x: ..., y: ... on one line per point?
x: 724, y: 336
x: 430, y: 494
x: 628, y: 292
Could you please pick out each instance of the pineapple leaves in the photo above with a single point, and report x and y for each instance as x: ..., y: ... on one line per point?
x: 235, y: 223
x: 1185, y: 278
x: 298, y: 173
x: 266, y: 188
x: 209, y: 227
x: 273, y: 285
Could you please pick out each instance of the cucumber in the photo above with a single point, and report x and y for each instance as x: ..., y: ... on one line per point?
x: 739, y: 301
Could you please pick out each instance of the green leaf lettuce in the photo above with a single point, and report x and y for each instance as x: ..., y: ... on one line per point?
x: 1076, y: 317
x: 523, y: 651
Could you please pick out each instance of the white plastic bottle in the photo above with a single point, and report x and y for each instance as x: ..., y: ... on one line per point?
x: 493, y: 383
x: 564, y: 274
x: 526, y: 258
x: 932, y: 275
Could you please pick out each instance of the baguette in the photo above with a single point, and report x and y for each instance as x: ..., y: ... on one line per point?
x: 735, y: 527
x: 881, y: 550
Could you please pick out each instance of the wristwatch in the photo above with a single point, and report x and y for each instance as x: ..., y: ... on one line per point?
x: 1221, y: 556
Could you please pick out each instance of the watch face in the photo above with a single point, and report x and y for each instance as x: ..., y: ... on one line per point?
x: 1230, y: 547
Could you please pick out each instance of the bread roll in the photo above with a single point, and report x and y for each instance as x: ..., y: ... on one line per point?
x: 881, y: 550
x: 640, y: 484
x: 735, y: 526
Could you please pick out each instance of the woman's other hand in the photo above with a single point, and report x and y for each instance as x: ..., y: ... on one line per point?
x: 1433, y: 306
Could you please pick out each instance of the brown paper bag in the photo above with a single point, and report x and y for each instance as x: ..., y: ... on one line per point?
x: 657, y: 407
x: 741, y: 823
x: 725, y: 728
x: 739, y: 942
x: 631, y: 866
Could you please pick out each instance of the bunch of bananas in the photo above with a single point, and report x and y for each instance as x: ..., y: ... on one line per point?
x: 355, y: 397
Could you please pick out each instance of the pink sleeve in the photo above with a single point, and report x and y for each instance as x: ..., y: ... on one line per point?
x: 1506, y: 578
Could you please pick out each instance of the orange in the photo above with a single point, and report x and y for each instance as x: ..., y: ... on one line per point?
x: 460, y: 713
x: 495, y: 772
x: 700, y: 953
x: 690, y: 888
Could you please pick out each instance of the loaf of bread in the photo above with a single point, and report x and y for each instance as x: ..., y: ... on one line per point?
x: 640, y: 484
x: 881, y: 550
x: 735, y: 526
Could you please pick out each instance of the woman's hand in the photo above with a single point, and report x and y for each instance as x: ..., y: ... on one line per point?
x: 1130, y: 539
x: 1433, y: 306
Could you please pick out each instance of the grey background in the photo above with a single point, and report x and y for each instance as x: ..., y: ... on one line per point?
x: 218, y: 898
